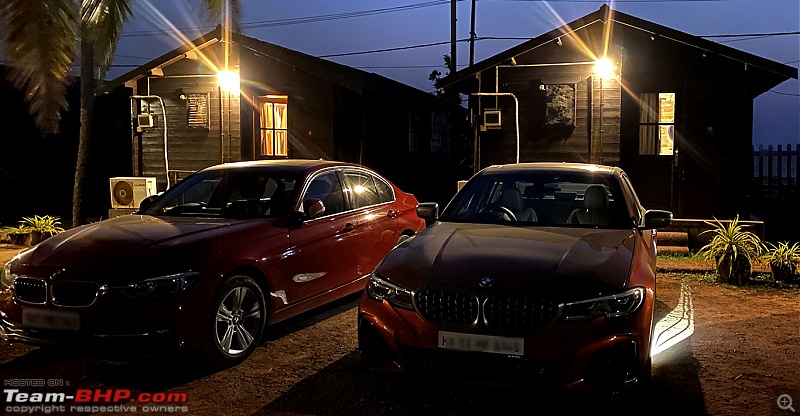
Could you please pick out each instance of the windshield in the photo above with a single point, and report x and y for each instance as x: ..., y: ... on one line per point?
x: 236, y: 193
x: 580, y: 199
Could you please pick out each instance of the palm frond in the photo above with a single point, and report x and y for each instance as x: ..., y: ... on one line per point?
x: 217, y: 12
x: 106, y: 19
x: 39, y: 39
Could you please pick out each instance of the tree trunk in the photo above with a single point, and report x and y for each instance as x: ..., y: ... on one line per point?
x: 86, y: 119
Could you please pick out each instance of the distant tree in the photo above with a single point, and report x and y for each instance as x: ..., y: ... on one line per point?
x: 436, y: 75
x: 42, y: 38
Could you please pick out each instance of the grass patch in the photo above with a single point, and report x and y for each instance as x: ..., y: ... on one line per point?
x: 761, y: 282
x: 692, y: 255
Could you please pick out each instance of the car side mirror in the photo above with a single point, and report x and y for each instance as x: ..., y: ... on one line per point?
x: 313, y: 208
x: 147, y: 202
x: 655, y: 219
x: 428, y: 211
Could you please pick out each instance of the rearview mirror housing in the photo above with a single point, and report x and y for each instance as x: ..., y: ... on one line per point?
x: 313, y: 208
x: 655, y: 219
x: 428, y: 211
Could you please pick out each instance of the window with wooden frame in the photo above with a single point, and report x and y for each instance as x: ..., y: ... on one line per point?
x: 273, y: 125
x: 657, y: 124
x: 197, y: 110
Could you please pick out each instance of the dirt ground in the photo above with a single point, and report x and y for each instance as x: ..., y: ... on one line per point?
x: 742, y: 354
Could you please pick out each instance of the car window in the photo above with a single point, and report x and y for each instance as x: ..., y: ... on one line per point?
x: 385, y: 191
x: 235, y: 193
x: 362, y: 189
x: 327, y: 188
x: 542, y: 198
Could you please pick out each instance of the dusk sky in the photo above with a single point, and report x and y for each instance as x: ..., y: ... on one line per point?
x: 330, y: 28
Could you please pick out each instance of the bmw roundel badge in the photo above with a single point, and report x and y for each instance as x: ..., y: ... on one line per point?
x: 486, y: 282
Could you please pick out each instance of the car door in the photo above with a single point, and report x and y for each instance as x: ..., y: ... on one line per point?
x: 323, y: 250
x: 376, y: 214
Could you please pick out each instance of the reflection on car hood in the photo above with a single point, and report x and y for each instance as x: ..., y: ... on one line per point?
x: 124, y: 238
x: 567, y: 262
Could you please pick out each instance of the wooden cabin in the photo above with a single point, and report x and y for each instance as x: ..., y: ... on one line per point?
x: 673, y: 110
x: 274, y: 102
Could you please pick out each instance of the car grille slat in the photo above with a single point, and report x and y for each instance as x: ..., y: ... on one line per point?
x: 447, y: 307
x: 30, y: 290
x: 503, y: 312
x: 74, y: 294
x: 518, y: 312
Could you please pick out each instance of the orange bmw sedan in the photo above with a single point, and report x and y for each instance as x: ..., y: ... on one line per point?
x: 536, y: 273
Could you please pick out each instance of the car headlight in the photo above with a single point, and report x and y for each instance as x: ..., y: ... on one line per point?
x: 379, y: 288
x: 613, y: 306
x: 6, y: 277
x: 160, y: 286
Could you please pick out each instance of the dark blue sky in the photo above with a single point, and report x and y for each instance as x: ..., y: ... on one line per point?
x: 339, y: 27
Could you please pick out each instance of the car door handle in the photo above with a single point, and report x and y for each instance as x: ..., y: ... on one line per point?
x: 392, y: 213
x: 348, y: 227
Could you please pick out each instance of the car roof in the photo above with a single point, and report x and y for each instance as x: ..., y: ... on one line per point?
x: 552, y: 167
x: 286, y: 165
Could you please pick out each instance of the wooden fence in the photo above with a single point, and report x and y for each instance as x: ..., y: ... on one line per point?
x: 775, y: 172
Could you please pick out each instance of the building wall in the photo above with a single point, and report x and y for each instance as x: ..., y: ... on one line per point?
x: 188, y: 148
x: 591, y: 136
x: 709, y: 173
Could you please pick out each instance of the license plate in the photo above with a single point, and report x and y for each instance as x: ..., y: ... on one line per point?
x: 482, y: 343
x: 47, y: 319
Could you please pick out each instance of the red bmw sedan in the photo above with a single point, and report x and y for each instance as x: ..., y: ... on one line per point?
x: 208, y: 264
x: 538, y: 273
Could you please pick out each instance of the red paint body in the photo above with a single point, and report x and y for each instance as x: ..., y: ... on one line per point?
x: 299, y: 262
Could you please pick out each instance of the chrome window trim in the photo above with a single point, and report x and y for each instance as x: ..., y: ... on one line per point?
x: 341, y: 169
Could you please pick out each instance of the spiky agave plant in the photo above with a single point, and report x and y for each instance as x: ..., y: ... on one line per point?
x: 783, y: 260
x: 733, y: 249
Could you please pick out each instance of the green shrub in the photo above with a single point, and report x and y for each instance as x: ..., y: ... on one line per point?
x: 733, y: 250
x: 45, y: 224
x: 783, y: 260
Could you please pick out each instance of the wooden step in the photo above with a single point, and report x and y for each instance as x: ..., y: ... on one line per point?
x: 673, y: 250
x: 673, y: 238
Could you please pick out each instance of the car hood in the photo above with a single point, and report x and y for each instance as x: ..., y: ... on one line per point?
x: 565, y: 262
x: 126, y: 242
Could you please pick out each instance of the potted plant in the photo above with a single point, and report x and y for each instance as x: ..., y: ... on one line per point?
x: 783, y: 260
x: 733, y: 249
x: 41, y: 227
x: 15, y: 235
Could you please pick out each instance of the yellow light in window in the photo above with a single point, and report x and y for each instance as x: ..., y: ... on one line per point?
x: 229, y: 81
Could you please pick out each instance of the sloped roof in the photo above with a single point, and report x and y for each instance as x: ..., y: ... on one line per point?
x: 344, y: 75
x: 605, y: 14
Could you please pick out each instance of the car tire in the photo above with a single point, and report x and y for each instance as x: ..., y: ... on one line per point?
x: 236, y: 322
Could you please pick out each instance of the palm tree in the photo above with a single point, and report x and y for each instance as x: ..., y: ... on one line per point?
x: 42, y: 38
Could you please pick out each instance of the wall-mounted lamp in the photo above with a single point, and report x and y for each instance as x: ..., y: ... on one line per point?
x: 604, y: 68
x: 157, y: 72
x: 558, y: 41
x: 229, y: 81
x: 190, y: 55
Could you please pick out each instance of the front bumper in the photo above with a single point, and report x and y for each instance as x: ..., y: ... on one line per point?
x: 599, y: 355
x: 168, y: 322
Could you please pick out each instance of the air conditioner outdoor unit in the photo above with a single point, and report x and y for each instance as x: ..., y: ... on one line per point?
x: 144, y: 120
x: 129, y: 192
